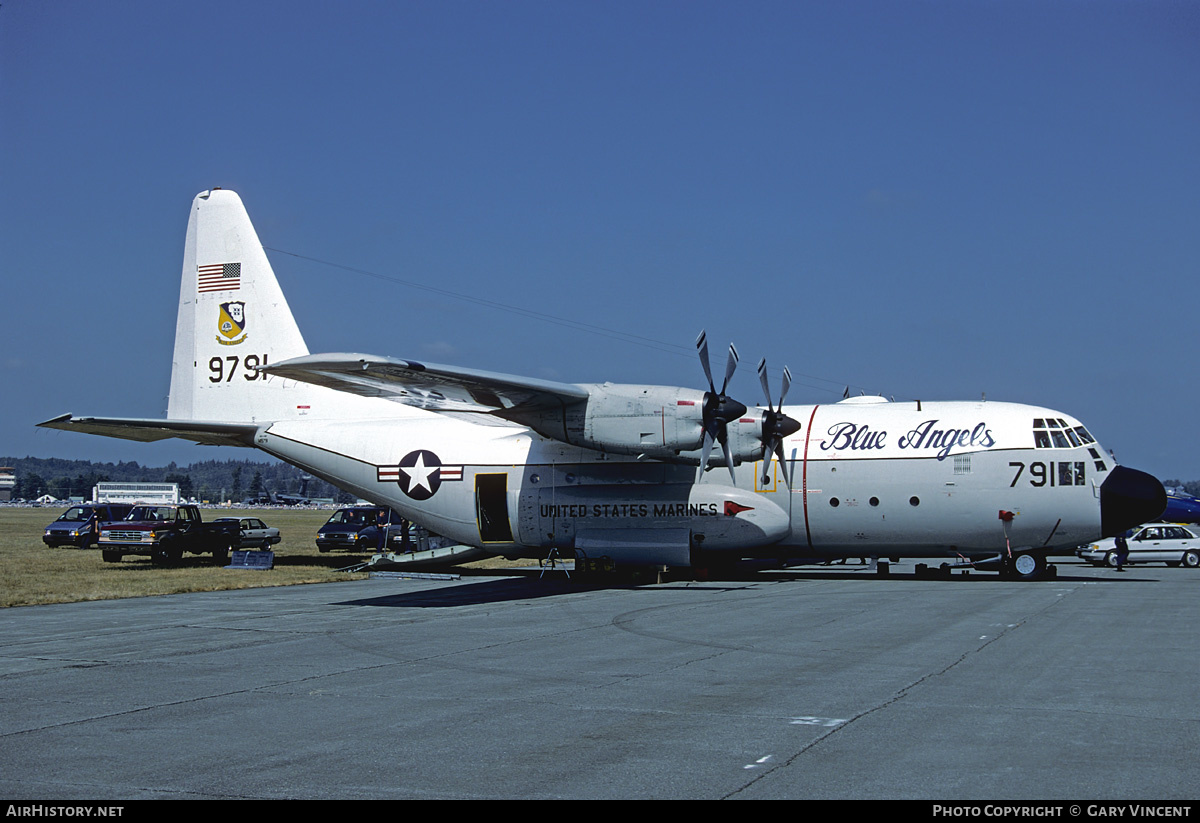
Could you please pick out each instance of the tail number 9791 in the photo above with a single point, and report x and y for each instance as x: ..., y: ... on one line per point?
x: 222, y: 369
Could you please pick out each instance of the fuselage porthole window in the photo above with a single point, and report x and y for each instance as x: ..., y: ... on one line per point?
x: 914, y: 501
x: 833, y: 501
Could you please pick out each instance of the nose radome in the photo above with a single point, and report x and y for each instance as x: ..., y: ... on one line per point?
x: 1129, y: 498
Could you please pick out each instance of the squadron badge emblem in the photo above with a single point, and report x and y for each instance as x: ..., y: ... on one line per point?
x: 231, y: 323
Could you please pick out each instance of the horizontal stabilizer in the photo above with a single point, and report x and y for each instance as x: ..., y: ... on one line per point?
x: 427, y: 385
x: 205, y: 432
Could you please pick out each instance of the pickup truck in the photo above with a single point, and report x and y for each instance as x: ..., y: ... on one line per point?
x: 164, y: 533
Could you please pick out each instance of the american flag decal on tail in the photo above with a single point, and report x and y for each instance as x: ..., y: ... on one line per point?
x: 219, y: 277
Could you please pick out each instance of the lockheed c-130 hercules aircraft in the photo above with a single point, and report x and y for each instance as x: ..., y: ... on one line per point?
x: 630, y: 474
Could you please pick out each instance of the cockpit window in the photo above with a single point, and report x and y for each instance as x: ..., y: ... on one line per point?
x: 1055, y: 433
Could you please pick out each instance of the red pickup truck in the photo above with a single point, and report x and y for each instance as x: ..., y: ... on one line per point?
x: 165, y: 532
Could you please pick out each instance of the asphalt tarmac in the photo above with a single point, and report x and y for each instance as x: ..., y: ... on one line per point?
x: 829, y: 683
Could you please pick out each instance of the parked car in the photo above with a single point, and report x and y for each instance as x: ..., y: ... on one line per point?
x: 255, y: 534
x: 1153, y: 543
x: 79, y: 526
x: 360, y: 529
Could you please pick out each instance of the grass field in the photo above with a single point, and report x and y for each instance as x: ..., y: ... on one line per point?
x: 32, y: 573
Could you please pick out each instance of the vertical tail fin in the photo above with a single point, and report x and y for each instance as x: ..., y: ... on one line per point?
x: 233, y: 318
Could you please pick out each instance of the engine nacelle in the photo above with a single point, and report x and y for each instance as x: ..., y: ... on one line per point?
x: 655, y: 421
x: 745, y: 438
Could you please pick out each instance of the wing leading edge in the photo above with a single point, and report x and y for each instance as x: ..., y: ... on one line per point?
x: 429, y: 386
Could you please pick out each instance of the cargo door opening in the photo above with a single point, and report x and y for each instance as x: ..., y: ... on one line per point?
x: 491, y: 508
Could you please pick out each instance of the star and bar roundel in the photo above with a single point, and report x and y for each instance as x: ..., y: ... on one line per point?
x: 420, y: 474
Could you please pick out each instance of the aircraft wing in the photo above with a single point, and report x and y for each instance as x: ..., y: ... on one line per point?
x: 427, y: 385
x: 147, y: 430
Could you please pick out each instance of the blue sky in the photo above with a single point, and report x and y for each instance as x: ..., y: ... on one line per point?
x: 931, y: 200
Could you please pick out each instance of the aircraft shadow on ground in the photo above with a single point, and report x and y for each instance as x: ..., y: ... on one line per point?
x: 509, y: 588
x: 473, y: 593
x: 505, y: 586
x: 956, y: 577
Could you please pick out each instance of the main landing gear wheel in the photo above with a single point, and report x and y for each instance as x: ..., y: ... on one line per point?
x: 1028, y: 566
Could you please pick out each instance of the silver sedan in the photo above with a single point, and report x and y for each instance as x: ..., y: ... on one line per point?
x: 255, y: 533
x: 1156, y: 543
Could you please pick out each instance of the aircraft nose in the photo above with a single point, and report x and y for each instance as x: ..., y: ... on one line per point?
x: 1129, y: 498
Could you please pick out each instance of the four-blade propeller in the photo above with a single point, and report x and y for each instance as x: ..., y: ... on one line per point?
x: 720, y: 410
x: 776, y: 425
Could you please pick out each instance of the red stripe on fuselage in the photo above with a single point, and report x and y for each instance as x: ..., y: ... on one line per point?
x: 804, y: 475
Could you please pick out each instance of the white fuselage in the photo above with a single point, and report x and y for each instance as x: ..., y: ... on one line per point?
x: 868, y: 477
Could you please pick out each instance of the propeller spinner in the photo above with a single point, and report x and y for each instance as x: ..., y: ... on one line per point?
x: 776, y: 425
x: 719, y: 409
